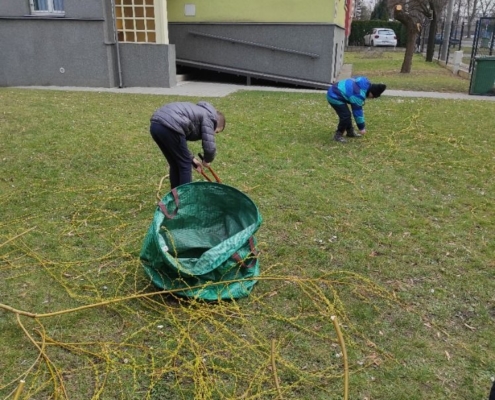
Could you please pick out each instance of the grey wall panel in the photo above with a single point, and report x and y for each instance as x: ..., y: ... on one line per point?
x: 148, y: 65
x: 84, y: 8
x: 62, y: 53
x: 301, y: 51
x: 14, y: 8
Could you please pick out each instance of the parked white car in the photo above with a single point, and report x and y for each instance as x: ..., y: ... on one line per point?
x: 381, y: 37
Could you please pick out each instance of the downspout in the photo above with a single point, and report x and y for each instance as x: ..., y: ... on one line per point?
x: 116, y: 42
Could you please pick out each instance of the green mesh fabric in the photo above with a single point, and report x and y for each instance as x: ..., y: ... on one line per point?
x: 208, y: 248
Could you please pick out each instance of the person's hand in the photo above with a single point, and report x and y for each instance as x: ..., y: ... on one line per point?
x: 206, y: 164
x: 196, y: 164
x: 362, y: 131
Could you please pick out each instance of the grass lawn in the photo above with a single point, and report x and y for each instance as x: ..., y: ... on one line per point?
x: 392, y: 233
x: 384, y: 66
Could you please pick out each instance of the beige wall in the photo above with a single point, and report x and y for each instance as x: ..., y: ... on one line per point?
x: 269, y: 11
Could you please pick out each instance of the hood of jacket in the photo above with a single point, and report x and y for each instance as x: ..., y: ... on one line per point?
x: 212, y: 112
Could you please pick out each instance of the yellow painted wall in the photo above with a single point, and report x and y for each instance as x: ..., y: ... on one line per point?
x: 270, y: 11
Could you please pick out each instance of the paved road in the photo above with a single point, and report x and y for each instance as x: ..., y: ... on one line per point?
x: 213, y: 89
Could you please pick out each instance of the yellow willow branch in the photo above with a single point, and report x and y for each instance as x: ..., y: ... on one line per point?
x: 17, y: 236
x: 274, y: 369
x: 161, y: 292
x: 54, y: 373
x: 344, y: 355
x: 19, y: 389
x: 24, y: 375
x: 140, y: 296
x: 160, y: 187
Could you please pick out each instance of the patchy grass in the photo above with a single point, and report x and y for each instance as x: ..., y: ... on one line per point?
x: 391, y: 233
x: 384, y: 66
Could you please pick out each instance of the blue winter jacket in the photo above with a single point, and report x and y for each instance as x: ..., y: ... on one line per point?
x: 351, y: 91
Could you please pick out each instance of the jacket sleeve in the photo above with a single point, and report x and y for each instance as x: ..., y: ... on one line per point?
x: 208, y: 139
x: 358, y: 113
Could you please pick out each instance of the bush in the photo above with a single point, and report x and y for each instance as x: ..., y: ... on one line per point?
x: 361, y: 28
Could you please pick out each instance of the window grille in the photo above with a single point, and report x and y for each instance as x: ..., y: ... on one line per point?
x: 141, y: 21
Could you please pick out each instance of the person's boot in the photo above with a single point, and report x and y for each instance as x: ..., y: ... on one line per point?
x: 353, y: 133
x: 339, y: 137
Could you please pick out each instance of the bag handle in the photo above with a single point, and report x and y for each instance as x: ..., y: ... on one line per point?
x: 164, y: 209
x: 253, y: 255
x: 161, y: 205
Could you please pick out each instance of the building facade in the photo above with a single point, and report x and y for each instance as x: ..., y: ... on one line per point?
x: 96, y: 43
x: 291, y: 41
x: 126, y: 43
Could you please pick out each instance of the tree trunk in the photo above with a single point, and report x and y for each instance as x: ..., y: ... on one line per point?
x: 430, y: 49
x: 471, y: 16
x: 412, y: 31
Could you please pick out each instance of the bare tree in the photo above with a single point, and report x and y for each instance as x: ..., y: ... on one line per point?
x: 414, y: 14
x: 410, y: 21
x: 487, y: 7
x: 365, y: 13
x: 432, y: 11
x: 471, y: 8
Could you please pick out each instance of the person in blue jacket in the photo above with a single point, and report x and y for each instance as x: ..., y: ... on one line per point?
x: 353, y: 91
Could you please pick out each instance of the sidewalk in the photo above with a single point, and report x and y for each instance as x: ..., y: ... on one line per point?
x: 213, y: 89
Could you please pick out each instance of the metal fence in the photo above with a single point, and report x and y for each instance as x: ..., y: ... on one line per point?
x: 455, y: 41
x: 479, y: 43
x: 457, y: 32
x: 484, y: 39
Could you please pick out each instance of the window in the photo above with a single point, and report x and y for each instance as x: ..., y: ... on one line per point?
x: 47, y: 7
x: 141, y: 21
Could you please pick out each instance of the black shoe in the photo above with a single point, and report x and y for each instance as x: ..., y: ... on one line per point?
x: 353, y: 134
x: 339, y: 137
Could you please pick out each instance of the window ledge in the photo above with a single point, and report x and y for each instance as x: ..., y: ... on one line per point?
x: 47, y: 14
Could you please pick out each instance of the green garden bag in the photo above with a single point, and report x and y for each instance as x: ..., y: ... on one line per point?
x: 201, y: 241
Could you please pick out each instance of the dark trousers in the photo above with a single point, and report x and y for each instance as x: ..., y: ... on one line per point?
x: 174, y: 147
x: 345, y: 117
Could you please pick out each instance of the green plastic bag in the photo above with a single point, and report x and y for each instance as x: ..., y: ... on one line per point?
x: 201, y: 240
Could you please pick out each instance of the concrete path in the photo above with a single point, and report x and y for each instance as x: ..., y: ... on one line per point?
x: 213, y: 89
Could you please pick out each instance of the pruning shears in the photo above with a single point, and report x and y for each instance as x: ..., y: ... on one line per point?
x: 202, y: 171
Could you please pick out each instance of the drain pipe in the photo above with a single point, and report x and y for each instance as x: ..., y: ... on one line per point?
x: 116, y: 42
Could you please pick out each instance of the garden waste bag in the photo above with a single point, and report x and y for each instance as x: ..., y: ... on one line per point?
x: 201, y: 241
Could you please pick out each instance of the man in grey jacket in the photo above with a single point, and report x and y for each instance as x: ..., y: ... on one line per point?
x: 174, y: 124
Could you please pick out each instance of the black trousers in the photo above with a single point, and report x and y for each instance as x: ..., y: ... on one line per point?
x: 174, y: 147
x: 345, y: 117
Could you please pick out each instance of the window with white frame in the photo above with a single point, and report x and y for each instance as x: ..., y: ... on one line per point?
x: 47, y: 7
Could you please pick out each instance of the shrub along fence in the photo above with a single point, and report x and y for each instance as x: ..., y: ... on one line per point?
x: 361, y: 28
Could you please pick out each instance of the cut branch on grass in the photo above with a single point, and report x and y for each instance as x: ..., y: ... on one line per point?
x: 274, y: 370
x: 344, y: 356
x: 419, y: 197
x: 17, y: 236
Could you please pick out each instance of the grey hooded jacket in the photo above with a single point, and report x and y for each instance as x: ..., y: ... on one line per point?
x: 194, y: 121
